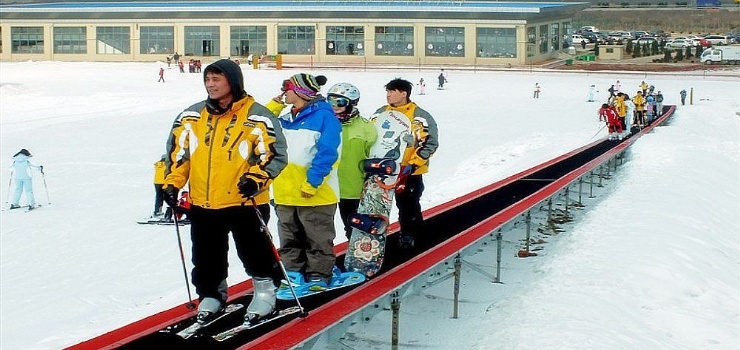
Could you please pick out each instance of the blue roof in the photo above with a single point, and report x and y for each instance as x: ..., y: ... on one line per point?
x: 358, y: 6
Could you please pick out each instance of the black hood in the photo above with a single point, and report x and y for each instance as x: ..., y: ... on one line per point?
x: 233, y: 73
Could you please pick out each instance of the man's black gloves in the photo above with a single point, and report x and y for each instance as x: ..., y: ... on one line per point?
x: 251, y: 184
x: 248, y: 187
x: 171, y: 194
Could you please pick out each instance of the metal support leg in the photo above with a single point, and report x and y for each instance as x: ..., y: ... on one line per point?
x: 525, y: 252
x: 591, y: 185
x: 567, y: 201
x: 499, y: 243
x: 395, y: 307
x: 580, y: 190
x: 601, y: 174
x: 456, y: 291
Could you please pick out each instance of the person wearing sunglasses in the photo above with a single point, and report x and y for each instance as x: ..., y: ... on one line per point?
x: 307, y: 192
x: 358, y: 136
x: 415, y: 160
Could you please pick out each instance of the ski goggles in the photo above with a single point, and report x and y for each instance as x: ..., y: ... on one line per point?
x: 288, y: 85
x: 337, y: 101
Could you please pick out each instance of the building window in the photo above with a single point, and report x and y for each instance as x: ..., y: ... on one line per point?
x: 345, y: 40
x: 394, y: 41
x: 531, y: 41
x: 566, y: 32
x: 543, y: 39
x: 72, y: 40
x: 27, y: 39
x: 555, y: 36
x: 156, y: 40
x: 202, y: 41
x: 296, y: 40
x: 248, y: 40
x: 113, y: 40
x: 496, y: 42
x: 445, y: 41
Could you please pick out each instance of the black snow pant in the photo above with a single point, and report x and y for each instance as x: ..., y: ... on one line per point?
x: 409, y: 208
x: 347, y: 206
x: 158, y: 198
x: 209, y: 230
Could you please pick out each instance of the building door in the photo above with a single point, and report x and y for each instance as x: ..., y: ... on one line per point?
x: 207, y: 46
x: 244, y: 47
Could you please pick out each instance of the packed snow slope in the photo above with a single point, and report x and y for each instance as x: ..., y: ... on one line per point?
x: 654, y: 265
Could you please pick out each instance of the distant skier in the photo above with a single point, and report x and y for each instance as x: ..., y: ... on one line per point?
x: 658, y: 104
x: 422, y: 87
x: 536, y: 90
x: 161, y: 75
x: 592, y: 93
x: 683, y: 97
x: 23, y: 178
x: 442, y: 79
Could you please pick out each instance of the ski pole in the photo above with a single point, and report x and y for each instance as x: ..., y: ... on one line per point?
x: 10, y: 182
x: 43, y: 176
x: 190, y: 304
x: 263, y: 227
x: 602, y: 128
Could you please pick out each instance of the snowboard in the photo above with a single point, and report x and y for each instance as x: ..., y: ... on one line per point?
x: 339, y: 280
x: 366, y: 247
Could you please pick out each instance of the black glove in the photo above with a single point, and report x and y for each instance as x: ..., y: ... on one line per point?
x: 171, y: 194
x: 248, y: 187
x: 41, y: 168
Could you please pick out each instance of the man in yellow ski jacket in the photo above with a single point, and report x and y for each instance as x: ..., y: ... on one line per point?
x: 416, y: 157
x: 228, y: 149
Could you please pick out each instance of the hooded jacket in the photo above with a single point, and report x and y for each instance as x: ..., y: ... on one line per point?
x: 424, y: 130
x: 314, y: 139
x: 212, y: 147
x: 22, y: 166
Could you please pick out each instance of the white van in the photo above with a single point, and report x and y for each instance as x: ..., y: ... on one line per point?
x: 589, y: 29
x: 575, y: 39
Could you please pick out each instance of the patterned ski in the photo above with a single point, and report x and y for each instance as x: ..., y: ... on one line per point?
x: 196, y: 327
x: 229, y: 333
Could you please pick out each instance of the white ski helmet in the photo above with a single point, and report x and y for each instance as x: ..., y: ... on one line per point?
x: 346, y: 90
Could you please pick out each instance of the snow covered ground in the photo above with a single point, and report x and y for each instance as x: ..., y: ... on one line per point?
x: 653, y: 264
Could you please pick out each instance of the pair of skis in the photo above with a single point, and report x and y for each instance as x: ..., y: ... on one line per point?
x: 251, y: 322
x: 199, y: 326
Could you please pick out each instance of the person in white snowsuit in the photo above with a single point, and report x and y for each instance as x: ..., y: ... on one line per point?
x: 591, y: 93
x: 628, y: 120
x: 23, y: 178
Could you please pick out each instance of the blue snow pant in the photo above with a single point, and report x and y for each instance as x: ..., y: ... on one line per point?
x: 209, y: 231
x: 20, y: 185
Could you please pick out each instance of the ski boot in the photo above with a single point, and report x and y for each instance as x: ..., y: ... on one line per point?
x: 209, y: 309
x: 263, y: 302
x: 14, y: 206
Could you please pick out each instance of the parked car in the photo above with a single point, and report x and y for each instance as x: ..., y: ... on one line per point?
x: 688, y: 39
x: 699, y: 41
x: 639, y: 34
x: 717, y: 39
x: 647, y: 40
x: 575, y: 39
x: 679, y: 44
x: 589, y: 29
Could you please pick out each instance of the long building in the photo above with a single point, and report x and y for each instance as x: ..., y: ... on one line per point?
x: 323, y: 32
